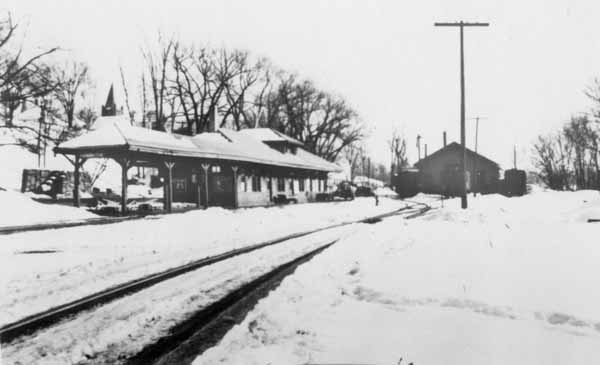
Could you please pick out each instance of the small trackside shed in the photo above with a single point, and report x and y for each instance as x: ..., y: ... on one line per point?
x: 440, y: 172
x: 224, y: 168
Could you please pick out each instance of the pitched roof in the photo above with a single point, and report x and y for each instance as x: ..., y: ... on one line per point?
x: 270, y: 135
x: 110, y: 99
x: 115, y: 133
x: 454, y: 146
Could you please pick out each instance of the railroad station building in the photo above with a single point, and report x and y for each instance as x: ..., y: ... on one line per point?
x: 251, y: 167
x: 441, y: 172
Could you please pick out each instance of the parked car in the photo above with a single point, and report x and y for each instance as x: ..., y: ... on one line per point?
x: 364, y: 191
x: 344, y: 191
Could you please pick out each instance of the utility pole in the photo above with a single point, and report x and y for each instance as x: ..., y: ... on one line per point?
x: 477, y: 130
x: 462, y: 25
x: 515, y: 156
x: 475, y: 176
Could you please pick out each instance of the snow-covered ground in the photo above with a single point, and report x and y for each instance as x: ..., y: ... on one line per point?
x: 509, y: 281
x: 86, y: 259
x: 120, y: 329
x: 19, y: 209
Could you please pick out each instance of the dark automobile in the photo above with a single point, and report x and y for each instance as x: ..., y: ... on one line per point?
x: 364, y: 191
x: 344, y: 191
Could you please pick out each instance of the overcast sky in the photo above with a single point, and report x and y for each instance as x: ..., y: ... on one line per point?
x: 525, y: 73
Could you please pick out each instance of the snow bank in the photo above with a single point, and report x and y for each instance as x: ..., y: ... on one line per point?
x: 510, y: 281
x: 541, y: 206
x: 18, y: 209
x: 385, y: 191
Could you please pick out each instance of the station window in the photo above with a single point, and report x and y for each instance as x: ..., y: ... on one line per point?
x: 280, y: 184
x: 215, y: 169
x: 256, y: 183
x: 244, y: 184
x: 301, y: 184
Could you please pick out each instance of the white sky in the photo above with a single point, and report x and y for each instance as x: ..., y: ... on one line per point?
x: 525, y: 73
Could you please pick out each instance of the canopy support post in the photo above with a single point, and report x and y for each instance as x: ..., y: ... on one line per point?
x: 234, y: 169
x: 77, y: 164
x: 125, y: 165
x: 205, y: 167
x: 168, y: 199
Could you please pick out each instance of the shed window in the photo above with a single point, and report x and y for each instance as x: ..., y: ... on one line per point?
x: 256, y: 183
x: 280, y: 184
x: 301, y: 184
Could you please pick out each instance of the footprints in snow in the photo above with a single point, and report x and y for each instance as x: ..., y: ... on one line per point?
x: 399, y: 304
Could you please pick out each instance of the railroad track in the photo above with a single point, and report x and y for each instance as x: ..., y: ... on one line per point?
x: 46, y: 318
x: 66, y: 224
x: 206, y: 327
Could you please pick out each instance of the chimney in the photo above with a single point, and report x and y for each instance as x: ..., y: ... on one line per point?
x: 212, y: 120
x: 444, y: 138
x: 425, y: 149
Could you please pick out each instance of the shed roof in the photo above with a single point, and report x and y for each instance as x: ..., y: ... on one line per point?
x: 112, y: 133
x: 454, y: 147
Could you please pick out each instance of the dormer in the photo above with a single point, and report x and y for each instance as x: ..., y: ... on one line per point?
x: 274, y: 139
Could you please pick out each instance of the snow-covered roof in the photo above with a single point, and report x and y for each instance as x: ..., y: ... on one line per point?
x: 270, y: 135
x: 112, y: 133
x: 454, y: 146
x: 360, y: 179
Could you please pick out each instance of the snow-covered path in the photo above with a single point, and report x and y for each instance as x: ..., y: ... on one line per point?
x: 510, y: 281
x: 91, y: 258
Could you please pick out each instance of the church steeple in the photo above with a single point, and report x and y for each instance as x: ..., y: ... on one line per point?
x: 110, y: 108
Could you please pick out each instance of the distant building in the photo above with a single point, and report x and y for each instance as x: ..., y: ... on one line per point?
x: 441, y: 172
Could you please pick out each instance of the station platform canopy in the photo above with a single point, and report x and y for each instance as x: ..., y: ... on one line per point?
x: 114, y: 136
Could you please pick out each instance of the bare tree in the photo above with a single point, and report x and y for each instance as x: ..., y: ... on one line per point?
x: 258, y: 113
x: 583, y: 139
x: 144, y: 101
x: 201, y: 75
x: 397, y: 146
x: 354, y: 154
x: 553, y: 157
x: 323, y: 122
x: 130, y: 112
x: 244, y: 76
x: 71, y: 80
x: 194, y: 83
x: 22, y: 78
x: 157, y: 64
